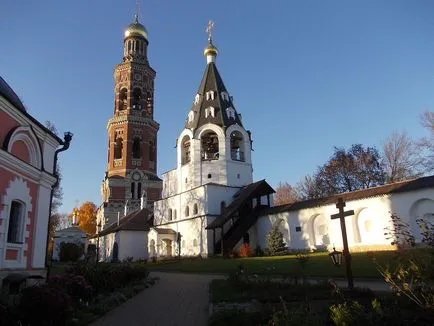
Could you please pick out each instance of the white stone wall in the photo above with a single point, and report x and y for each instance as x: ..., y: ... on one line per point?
x: 365, y: 230
x: 133, y: 244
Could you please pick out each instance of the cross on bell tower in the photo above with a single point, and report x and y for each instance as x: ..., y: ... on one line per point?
x: 132, y: 130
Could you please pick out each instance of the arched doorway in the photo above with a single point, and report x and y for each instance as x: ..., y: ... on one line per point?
x: 167, y: 247
x: 152, y: 248
x: 115, y: 253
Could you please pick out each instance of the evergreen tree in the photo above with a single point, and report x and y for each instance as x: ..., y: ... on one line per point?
x: 275, y: 244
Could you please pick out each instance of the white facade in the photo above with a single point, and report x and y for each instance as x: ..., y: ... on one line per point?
x: 202, y: 204
x: 72, y: 234
x: 365, y: 229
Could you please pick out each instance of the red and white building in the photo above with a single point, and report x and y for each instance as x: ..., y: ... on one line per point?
x: 28, y: 153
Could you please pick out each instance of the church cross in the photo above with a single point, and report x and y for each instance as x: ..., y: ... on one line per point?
x: 341, y: 216
x: 209, y: 28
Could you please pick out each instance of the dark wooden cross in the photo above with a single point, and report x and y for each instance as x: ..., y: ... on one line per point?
x: 341, y: 216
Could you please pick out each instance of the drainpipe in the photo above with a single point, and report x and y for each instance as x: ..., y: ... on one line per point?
x: 66, y: 142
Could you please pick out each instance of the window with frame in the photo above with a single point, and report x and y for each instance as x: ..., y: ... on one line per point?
x: 187, y: 211
x: 210, y: 95
x: 16, y: 219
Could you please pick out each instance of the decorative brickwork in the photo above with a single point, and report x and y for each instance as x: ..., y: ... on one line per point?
x: 132, y: 134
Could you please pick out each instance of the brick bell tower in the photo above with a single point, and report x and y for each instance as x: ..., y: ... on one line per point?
x: 131, y: 181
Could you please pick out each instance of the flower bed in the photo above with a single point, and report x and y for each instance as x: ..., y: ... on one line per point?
x: 84, y: 293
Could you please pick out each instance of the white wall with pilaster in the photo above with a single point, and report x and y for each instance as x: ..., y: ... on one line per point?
x: 365, y: 229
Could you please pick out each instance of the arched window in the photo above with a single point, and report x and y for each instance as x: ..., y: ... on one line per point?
x: 139, y: 190
x: 185, y: 150
x: 133, y: 189
x: 118, y: 148
x: 123, y: 94
x: 129, y: 46
x: 210, y: 146
x: 187, y: 211
x: 149, y: 103
x: 151, y: 151
x: 237, y: 146
x: 174, y: 214
x: 137, y: 98
x: 170, y: 214
x: 16, y: 221
x: 222, y: 206
x: 195, y: 210
x: 136, y: 148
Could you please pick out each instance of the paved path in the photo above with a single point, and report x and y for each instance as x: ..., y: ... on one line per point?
x: 175, y: 300
x: 182, y: 300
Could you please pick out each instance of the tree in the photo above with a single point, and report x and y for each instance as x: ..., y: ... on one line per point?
x: 426, y: 144
x: 309, y: 188
x: 350, y: 170
x: 87, y: 217
x: 275, y: 243
x: 285, y: 194
x: 53, y: 224
x: 401, y: 159
x: 347, y: 170
x: 56, y: 200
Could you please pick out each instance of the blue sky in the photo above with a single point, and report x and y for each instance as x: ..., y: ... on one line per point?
x: 306, y: 75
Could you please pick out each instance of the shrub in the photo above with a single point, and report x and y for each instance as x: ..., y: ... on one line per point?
x: 44, y: 305
x: 275, y: 243
x: 106, y: 277
x: 75, y: 286
x: 246, y: 251
x: 69, y: 251
x: 258, y: 251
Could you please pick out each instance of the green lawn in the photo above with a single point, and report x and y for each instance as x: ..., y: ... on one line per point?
x: 319, y: 264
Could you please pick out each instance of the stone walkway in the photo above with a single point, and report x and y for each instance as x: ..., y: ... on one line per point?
x: 182, y: 300
x: 175, y: 300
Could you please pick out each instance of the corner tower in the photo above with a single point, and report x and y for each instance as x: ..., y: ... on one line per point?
x: 132, y: 132
x: 214, y: 146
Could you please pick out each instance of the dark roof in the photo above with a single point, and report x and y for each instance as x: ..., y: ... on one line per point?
x: 211, y: 81
x: 259, y: 188
x: 135, y: 221
x: 164, y: 231
x: 404, y: 186
x: 7, y: 92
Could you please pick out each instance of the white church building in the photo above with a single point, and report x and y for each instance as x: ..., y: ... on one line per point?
x: 210, y: 205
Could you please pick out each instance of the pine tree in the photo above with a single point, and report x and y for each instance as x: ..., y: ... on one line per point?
x: 275, y: 244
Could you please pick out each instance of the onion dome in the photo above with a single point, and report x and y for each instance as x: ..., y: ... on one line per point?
x: 210, y: 50
x: 136, y: 30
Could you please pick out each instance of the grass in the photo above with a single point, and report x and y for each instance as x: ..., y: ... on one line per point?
x: 318, y: 265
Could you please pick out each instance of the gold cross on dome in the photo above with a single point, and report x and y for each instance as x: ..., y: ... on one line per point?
x: 209, y: 28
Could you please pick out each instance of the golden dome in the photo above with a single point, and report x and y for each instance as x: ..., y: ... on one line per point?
x: 210, y: 50
x: 136, y: 29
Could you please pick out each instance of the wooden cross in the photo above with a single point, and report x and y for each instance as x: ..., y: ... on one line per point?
x: 341, y: 216
x: 209, y: 28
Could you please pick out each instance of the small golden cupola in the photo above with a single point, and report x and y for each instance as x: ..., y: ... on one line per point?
x: 136, y: 29
x: 210, y: 52
x: 135, y: 42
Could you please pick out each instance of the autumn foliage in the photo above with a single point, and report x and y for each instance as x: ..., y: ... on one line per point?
x: 246, y: 251
x: 87, y: 217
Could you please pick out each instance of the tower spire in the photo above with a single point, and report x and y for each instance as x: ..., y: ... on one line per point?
x: 210, y: 51
x: 136, y: 15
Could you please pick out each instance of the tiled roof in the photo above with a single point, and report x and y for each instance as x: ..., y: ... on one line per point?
x: 259, y: 188
x: 135, y: 221
x: 164, y: 231
x: 211, y: 81
x: 399, y: 187
x: 7, y: 92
